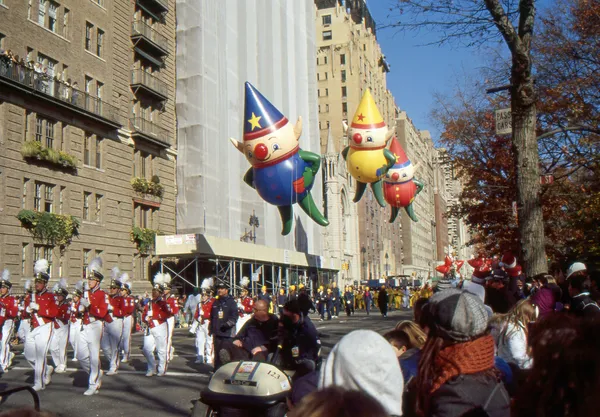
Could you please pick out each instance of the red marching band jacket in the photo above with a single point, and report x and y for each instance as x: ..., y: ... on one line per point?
x: 11, y: 304
x: 98, y: 309
x: 63, y: 316
x: 173, y: 305
x: 248, y: 304
x: 160, y: 313
x: 75, y: 314
x: 48, y: 308
x: 205, y: 309
x: 128, y: 306
x: 117, y: 303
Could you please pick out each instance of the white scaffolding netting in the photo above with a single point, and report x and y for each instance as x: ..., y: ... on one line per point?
x: 220, y: 45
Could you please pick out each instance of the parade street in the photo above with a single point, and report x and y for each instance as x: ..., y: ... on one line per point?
x: 131, y: 393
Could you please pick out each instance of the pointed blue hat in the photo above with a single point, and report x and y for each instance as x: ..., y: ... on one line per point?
x: 260, y: 116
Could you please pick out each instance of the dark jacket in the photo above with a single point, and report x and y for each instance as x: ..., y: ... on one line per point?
x: 471, y: 395
x: 336, y: 294
x: 382, y: 299
x: 583, y: 306
x: 299, y: 344
x: 223, y: 325
x: 266, y: 297
x: 281, y: 300
x: 255, y: 333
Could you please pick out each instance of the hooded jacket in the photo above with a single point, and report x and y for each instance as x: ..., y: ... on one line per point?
x: 345, y: 367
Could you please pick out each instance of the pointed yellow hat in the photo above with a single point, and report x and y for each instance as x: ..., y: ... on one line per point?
x: 367, y: 115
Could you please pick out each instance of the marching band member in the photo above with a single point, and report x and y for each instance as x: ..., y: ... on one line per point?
x: 155, y: 315
x: 173, y: 311
x: 60, y: 334
x: 128, y: 310
x: 75, y: 319
x: 12, y: 311
x: 204, y: 342
x: 113, y: 326
x: 42, y: 308
x: 246, y: 307
x: 94, y: 307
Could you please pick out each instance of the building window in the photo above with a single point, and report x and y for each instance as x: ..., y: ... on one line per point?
x: 344, y: 92
x: 48, y: 198
x: 43, y: 252
x: 88, y: 35
x: 100, y: 43
x: 2, y: 37
x: 343, y: 76
x: 325, y: 60
x: 66, y: 23
x: 52, y: 12
x: 86, y: 259
x: 98, y: 152
x: 343, y: 59
x: 344, y: 107
x: 325, y: 76
x: 326, y: 108
x: 24, y: 197
x: 24, y: 258
x: 39, y: 129
x: 49, y: 134
x: 327, y: 19
x: 98, y: 211
x: 87, y: 143
x: 86, y: 205
x: 326, y: 92
x: 42, y: 13
x: 327, y: 35
x: 44, y: 197
x: 61, y: 196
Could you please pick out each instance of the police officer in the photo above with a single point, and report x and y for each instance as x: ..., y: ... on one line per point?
x: 223, y: 318
x: 304, y: 300
x: 336, y: 300
x: 299, y: 350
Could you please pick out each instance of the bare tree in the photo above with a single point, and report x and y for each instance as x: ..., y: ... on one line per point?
x: 477, y: 22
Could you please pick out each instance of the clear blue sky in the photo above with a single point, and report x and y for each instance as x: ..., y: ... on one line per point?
x: 417, y: 72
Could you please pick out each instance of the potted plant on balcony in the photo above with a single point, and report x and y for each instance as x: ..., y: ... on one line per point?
x: 143, y: 239
x: 145, y: 187
x: 33, y: 150
x: 49, y: 228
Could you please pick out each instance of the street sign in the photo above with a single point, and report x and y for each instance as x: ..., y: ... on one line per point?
x: 255, y: 277
x: 546, y: 179
x: 503, y: 122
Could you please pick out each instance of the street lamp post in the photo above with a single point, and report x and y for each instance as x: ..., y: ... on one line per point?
x: 387, y: 265
x: 254, y: 223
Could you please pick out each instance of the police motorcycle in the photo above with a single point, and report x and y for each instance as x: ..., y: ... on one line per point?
x: 251, y: 389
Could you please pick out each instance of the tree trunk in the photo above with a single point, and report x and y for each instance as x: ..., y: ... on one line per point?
x: 530, y: 218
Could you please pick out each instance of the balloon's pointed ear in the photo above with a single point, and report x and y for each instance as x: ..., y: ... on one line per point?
x: 239, y: 145
x: 298, y: 128
x: 345, y: 125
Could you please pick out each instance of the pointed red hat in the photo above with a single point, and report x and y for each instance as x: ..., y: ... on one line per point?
x: 401, y: 159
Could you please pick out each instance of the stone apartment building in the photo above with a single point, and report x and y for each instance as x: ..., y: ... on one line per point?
x: 349, y: 60
x: 420, y: 238
x: 87, y: 126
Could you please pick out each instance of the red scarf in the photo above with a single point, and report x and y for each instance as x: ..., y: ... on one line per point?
x: 463, y: 359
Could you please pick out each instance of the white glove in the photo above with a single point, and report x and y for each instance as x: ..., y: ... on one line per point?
x: 21, y: 308
x: 34, y: 306
x: 81, y: 309
x: 85, y: 302
x: 110, y: 307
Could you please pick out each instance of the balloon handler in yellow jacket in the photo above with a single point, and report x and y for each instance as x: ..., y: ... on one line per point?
x: 281, y: 172
x: 366, y: 157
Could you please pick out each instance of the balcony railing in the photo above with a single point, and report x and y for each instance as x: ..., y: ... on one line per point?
x: 142, y: 29
x: 21, y: 76
x: 150, y: 131
x: 150, y: 82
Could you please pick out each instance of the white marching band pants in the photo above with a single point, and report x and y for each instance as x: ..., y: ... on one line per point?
x: 88, y: 350
x: 74, y: 332
x: 36, y: 349
x: 111, y: 340
x: 58, y: 345
x: 156, y: 339
x: 171, y: 326
x: 126, y: 339
x: 7, y: 334
x: 204, y: 343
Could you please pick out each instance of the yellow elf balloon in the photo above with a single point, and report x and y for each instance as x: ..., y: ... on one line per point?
x: 366, y: 157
